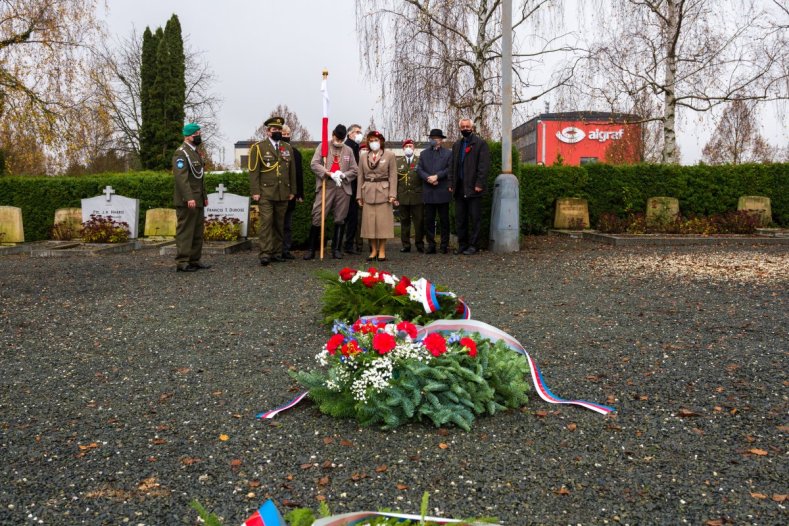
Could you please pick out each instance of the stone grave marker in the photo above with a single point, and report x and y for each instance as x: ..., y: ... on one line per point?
x: 758, y: 204
x: 11, y: 227
x: 160, y: 222
x: 70, y: 219
x: 118, y: 207
x: 662, y: 210
x: 221, y: 203
x: 571, y: 213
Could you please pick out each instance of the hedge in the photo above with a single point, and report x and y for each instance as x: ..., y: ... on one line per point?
x: 701, y: 190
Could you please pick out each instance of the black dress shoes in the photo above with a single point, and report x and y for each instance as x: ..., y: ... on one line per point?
x: 264, y: 261
x: 197, y: 265
x: 405, y: 249
x: 185, y: 268
x: 470, y: 251
x: 431, y: 250
x: 371, y: 258
x: 420, y: 249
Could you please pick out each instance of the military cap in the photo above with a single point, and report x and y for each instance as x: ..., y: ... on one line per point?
x: 190, y: 129
x: 407, y: 142
x: 274, y: 122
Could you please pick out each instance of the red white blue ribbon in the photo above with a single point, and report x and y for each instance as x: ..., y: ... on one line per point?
x: 274, y: 412
x: 359, y: 518
x: 266, y: 515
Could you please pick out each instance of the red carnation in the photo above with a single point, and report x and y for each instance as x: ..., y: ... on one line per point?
x: 436, y: 344
x: 383, y: 342
x: 469, y: 344
x: 357, y: 325
x: 347, y: 274
x: 372, y: 271
x: 367, y: 328
x: 334, y: 342
x: 402, y: 285
x: 370, y: 281
x: 407, y: 327
x: 350, y: 348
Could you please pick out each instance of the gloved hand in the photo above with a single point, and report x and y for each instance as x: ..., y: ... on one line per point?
x: 337, y: 178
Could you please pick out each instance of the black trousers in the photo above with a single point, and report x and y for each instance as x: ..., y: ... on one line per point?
x: 352, y: 221
x: 442, y: 209
x: 468, y: 212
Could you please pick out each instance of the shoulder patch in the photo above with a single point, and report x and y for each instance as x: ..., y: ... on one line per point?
x: 179, y: 163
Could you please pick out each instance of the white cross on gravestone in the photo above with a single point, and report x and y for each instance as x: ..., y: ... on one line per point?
x: 108, y: 191
x: 221, y: 189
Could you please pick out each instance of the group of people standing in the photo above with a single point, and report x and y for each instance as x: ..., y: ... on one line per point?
x: 363, y: 182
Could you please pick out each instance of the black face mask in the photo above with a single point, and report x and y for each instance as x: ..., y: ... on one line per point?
x: 465, y: 133
x: 277, y: 136
x: 286, y: 139
x: 197, y: 140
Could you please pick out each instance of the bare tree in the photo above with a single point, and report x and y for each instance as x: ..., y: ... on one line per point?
x: 118, y: 81
x: 297, y: 130
x: 736, y: 138
x: 685, y: 55
x: 438, y: 61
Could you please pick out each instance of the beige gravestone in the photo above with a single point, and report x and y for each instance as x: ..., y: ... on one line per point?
x: 254, y: 221
x: 571, y: 213
x: 70, y: 220
x: 160, y: 222
x: 662, y: 210
x: 11, y: 228
x: 758, y: 204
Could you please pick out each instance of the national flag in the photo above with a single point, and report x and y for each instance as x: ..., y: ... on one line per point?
x: 325, y: 124
x: 266, y: 515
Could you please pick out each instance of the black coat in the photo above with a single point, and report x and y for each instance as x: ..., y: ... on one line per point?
x: 476, y: 166
x: 435, y: 162
x: 299, y: 179
x: 350, y: 143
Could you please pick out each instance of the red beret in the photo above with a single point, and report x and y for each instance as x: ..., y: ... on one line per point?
x: 408, y: 141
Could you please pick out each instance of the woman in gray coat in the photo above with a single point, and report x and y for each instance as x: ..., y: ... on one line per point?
x: 375, y: 193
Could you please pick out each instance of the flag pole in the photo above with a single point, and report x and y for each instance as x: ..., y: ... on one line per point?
x: 324, y: 154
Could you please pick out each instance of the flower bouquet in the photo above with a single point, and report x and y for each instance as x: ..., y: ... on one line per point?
x: 385, y: 373
x: 356, y: 293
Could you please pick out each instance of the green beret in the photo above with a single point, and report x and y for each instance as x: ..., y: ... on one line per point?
x: 190, y: 129
x: 274, y: 122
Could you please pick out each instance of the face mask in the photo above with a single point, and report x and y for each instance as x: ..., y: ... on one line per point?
x: 375, y: 146
x: 433, y: 143
x: 337, y: 143
x: 277, y: 136
x: 358, y: 138
x: 197, y: 140
x: 465, y: 133
x: 409, y: 151
x: 286, y: 139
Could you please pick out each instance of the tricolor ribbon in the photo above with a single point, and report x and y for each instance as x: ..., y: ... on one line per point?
x: 266, y: 515
x: 486, y: 331
x: 363, y: 517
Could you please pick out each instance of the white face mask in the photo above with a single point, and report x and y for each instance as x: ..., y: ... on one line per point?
x: 358, y: 138
x: 409, y: 151
x: 375, y: 146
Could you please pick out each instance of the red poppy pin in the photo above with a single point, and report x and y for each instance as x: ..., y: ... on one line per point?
x: 468, y: 149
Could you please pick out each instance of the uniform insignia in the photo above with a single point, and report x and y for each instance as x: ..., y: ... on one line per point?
x: 179, y: 163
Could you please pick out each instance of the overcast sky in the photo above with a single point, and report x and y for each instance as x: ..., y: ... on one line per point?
x: 270, y: 52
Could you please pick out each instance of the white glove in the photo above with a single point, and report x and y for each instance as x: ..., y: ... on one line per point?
x: 342, y: 175
x: 336, y: 178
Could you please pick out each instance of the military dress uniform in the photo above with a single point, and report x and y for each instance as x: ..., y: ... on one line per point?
x: 188, y: 174
x: 272, y: 175
x: 409, y: 197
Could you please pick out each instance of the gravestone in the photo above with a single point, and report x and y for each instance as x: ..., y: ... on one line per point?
x: 70, y: 219
x: 118, y: 207
x: 160, y: 222
x: 11, y: 228
x: 571, y: 213
x: 662, y: 210
x: 254, y: 221
x: 221, y: 204
x: 757, y: 204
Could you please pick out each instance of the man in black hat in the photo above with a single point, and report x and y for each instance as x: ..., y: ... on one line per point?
x: 468, y: 178
x: 338, y: 171
x: 353, y: 241
x: 272, y: 182
x: 433, y: 168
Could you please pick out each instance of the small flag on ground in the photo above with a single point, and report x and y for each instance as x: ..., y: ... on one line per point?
x: 266, y: 515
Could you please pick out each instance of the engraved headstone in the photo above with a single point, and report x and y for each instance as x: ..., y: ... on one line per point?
x: 120, y: 208
x: 11, y: 228
x: 571, y: 213
x: 160, y: 222
x: 662, y: 210
x: 224, y: 204
x: 758, y: 204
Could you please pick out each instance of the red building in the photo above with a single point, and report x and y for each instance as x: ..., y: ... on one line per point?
x: 579, y: 138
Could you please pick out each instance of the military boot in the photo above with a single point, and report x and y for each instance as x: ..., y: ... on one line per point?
x: 312, y: 242
x: 336, y: 241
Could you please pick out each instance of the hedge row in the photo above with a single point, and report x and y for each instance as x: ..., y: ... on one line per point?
x: 701, y: 190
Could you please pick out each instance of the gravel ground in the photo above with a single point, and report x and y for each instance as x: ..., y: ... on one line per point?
x: 128, y: 390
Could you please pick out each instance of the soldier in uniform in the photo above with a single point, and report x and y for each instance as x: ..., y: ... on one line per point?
x: 272, y: 183
x: 409, y: 199
x: 189, y: 198
x: 339, y: 170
